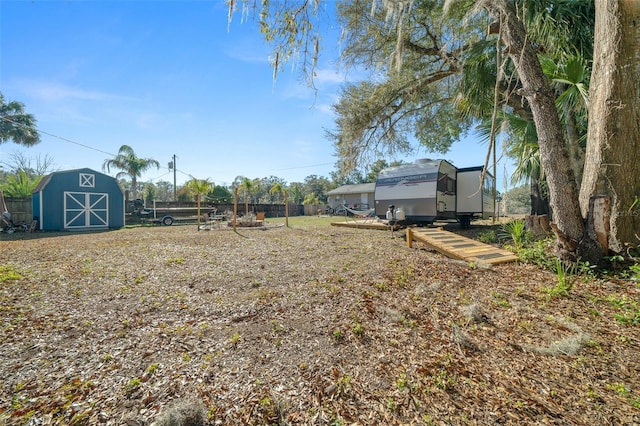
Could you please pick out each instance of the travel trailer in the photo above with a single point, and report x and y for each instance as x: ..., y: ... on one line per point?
x: 430, y: 190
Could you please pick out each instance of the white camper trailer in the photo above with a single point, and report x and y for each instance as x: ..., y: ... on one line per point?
x: 430, y: 190
x: 424, y: 190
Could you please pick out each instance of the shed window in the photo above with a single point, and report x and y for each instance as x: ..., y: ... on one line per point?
x: 87, y: 180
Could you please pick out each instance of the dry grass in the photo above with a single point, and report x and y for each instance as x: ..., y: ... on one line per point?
x: 311, y: 324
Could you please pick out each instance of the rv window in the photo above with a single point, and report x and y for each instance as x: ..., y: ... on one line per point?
x: 451, y: 185
x: 446, y: 184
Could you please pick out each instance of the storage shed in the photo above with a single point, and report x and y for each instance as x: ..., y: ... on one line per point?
x: 81, y: 199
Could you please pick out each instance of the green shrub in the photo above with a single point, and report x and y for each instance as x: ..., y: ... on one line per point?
x: 8, y: 273
x: 635, y: 272
x: 565, y: 274
x: 488, y: 237
x: 539, y: 253
x: 516, y: 230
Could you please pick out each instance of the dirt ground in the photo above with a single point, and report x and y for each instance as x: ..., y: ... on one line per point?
x: 309, y: 325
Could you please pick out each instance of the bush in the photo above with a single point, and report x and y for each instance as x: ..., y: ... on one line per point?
x: 539, y: 253
x: 516, y: 230
x: 488, y: 237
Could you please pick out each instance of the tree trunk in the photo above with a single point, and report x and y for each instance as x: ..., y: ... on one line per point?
x: 134, y: 187
x: 598, y: 222
x: 539, y: 200
x: 199, y: 211
x: 563, y: 192
x: 538, y: 225
x: 576, y: 152
x: 613, y: 141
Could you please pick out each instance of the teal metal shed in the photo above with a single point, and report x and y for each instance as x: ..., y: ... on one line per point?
x: 81, y: 199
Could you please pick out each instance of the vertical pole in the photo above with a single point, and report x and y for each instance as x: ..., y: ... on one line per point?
x: 175, y: 197
x: 495, y: 179
x: 286, y: 208
x: 409, y: 237
x: 235, y: 207
x: 198, y: 211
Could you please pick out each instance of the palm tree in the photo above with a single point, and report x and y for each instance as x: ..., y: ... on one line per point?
x: 278, y: 188
x: 20, y: 184
x: 16, y: 125
x: 296, y: 193
x: 529, y: 168
x: 570, y: 80
x: 199, y: 187
x: 131, y: 166
x: 247, y: 185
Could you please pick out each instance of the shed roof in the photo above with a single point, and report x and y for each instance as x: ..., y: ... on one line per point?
x: 361, y: 188
x: 45, y: 180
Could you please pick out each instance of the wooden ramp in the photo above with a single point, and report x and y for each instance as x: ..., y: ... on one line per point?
x: 458, y: 247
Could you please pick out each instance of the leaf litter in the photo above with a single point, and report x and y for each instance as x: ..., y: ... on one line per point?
x: 315, y: 325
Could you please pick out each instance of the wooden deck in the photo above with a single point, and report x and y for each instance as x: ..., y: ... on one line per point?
x: 458, y: 247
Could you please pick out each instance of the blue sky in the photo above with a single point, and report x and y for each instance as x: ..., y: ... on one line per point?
x: 169, y: 78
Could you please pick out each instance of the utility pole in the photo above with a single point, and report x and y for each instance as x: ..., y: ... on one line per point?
x: 172, y: 165
x: 175, y: 196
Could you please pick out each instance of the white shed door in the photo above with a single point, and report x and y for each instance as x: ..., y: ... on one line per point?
x: 86, y: 210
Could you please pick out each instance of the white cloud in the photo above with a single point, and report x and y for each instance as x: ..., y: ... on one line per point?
x: 56, y: 92
x: 324, y: 108
x: 249, y: 48
x: 328, y: 76
x: 248, y: 55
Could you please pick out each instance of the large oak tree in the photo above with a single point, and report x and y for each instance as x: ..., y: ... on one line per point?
x: 289, y: 28
x: 613, y: 147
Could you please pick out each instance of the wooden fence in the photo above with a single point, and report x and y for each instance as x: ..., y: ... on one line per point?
x: 20, y: 209
x: 270, y: 210
x: 314, y: 209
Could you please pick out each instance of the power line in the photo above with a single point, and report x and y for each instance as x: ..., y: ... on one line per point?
x: 78, y: 143
x: 303, y: 167
x: 115, y: 155
x: 60, y: 137
x: 162, y: 175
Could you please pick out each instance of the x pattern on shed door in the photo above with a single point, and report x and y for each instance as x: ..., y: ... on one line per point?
x: 86, y: 210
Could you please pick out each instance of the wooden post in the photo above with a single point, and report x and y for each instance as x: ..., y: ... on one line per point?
x: 235, y: 207
x: 286, y: 208
x: 409, y: 238
x: 199, y: 211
